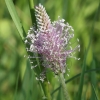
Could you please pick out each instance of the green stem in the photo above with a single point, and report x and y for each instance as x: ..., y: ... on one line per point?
x: 63, y: 85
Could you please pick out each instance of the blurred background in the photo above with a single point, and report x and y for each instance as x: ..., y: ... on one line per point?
x: 16, y: 78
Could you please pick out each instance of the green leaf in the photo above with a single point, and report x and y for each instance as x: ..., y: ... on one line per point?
x: 15, y: 18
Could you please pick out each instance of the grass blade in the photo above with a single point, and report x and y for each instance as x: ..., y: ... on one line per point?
x: 94, y: 92
x: 93, y: 79
x: 31, y: 6
x: 60, y: 95
x: 15, y: 18
x: 82, y: 79
x: 15, y: 95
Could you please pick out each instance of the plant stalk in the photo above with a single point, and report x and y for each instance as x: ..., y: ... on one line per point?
x: 63, y: 85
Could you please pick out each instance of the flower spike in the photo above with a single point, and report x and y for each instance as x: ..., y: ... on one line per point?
x: 42, y: 18
x: 51, y: 41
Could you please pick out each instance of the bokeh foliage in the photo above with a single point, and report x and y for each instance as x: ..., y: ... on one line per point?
x: 18, y: 81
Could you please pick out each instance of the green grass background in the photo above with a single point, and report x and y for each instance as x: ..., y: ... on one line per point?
x: 17, y: 80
